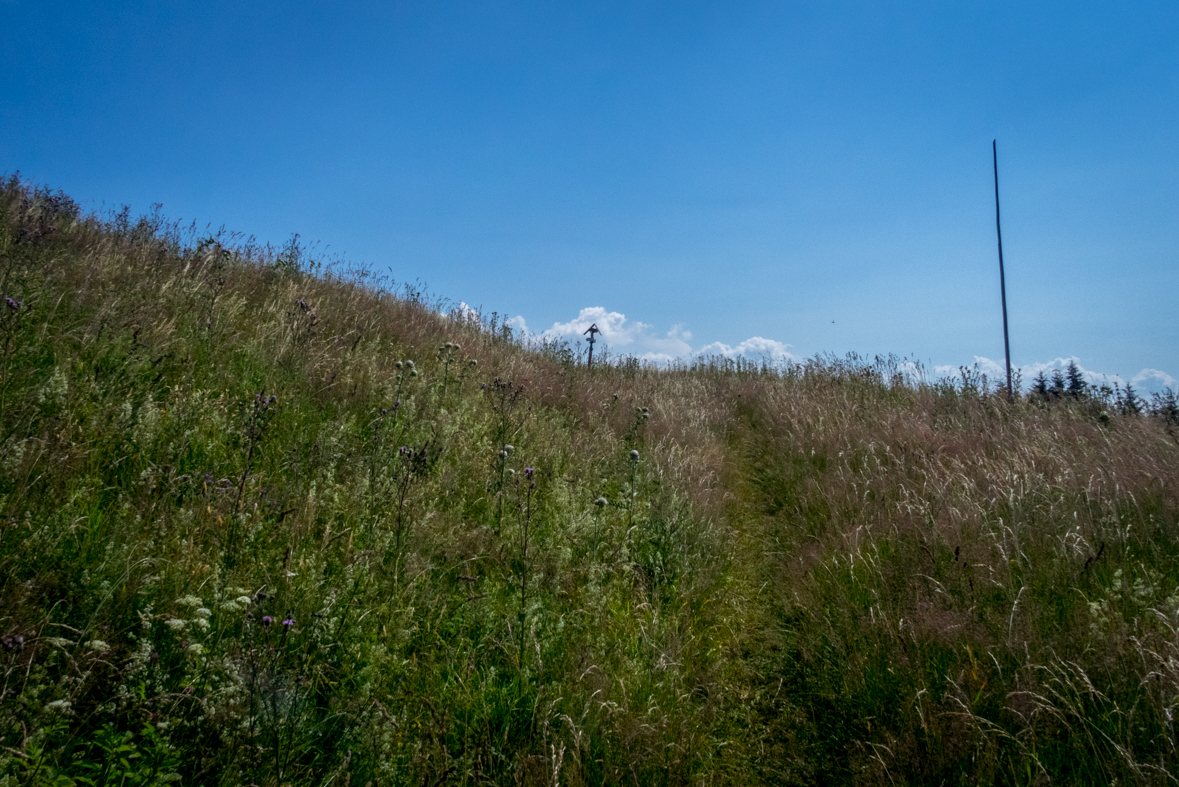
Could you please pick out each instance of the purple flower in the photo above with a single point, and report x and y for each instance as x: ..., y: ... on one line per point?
x: 528, y: 473
x: 267, y: 620
x: 288, y: 622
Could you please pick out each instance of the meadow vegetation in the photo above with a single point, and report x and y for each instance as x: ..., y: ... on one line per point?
x: 265, y: 520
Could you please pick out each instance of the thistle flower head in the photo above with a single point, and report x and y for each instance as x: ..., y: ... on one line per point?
x: 528, y: 471
x: 634, y: 455
x: 600, y: 502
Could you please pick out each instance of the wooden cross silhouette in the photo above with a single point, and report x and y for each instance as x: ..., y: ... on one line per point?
x: 593, y: 329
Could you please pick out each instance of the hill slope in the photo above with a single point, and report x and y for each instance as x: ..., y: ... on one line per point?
x: 267, y: 524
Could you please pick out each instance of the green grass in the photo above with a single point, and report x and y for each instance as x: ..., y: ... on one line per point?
x: 820, y: 573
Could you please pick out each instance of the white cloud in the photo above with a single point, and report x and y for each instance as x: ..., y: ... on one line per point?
x: 1154, y: 380
x: 1149, y: 380
x: 615, y: 329
x: 464, y: 313
x: 755, y: 347
x: 633, y: 337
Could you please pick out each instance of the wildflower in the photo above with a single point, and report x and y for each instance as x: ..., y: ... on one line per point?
x: 601, y: 501
x: 634, y: 455
x: 409, y: 364
x: 189, y: 601
x: 204, y: 612
x: 267, y: 620
x: 13, y: 644
x: 510, y: 449
x: 398, y: 365
x: 98, y: 646
x: 528, y: 473
x: 288, y: 623
x: 195, y: 649
x: 243, y: 600
x: 176, y: 624
x: 59, y: 705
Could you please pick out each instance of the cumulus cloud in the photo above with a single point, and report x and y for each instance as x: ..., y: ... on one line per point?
x: 1149, y: 380
x: 1153, y: 379
x: 636, y: 338
x: 464, y: 313
x: 754, y: 347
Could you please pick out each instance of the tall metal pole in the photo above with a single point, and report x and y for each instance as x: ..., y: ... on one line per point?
x: 1002, y: 278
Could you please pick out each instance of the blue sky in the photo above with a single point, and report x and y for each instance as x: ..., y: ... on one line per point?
x: 737, y: 177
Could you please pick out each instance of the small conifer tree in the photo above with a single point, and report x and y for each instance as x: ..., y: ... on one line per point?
x: 1077, y: 388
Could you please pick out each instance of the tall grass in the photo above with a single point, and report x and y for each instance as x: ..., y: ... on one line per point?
x: 265, y: 521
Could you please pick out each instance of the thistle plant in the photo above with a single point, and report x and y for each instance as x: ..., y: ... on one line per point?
x: 12, y: 315
x: 529, y: 488
x: 447, y: 353
x: 257, y: 416
x: 412, y: 464
x: 633, y: 489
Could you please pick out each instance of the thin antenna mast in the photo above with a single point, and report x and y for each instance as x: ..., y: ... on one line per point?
x: 1002, y: 279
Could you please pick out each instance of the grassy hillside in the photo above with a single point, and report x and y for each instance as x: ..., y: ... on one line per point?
x: 263, y: 522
